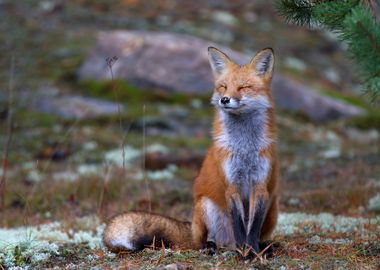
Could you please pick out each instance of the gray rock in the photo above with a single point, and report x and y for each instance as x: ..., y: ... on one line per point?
x: 178, y: 63
x: 74, y: 107
x: 151, y: 60
x: 297, y: 97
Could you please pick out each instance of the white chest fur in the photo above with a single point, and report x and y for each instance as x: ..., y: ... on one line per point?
x: 244, y: 136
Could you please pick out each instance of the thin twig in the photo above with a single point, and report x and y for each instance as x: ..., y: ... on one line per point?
x: 110, y: 62
x: 260, y: 255
x: 143, y: 161
x: 162, y: 253
x: 103, y: 190
x: 153, y: 245
x: 8, y: 140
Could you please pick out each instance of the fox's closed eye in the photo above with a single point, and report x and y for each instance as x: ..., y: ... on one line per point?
x: 222, y: 88
x: 245, y: 88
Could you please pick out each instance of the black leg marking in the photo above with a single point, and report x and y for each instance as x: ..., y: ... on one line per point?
x: 253, y: 238
x: 209, y: 248
x: 238, y: 226
x: 246, y: 211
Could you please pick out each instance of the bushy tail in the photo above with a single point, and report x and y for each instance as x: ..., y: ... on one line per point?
x: 134, y: 231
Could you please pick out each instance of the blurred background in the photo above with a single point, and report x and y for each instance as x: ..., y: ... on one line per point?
x: 84, y: 144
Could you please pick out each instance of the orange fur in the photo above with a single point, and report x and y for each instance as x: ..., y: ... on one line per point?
x: 211, y: 184
x: 211, y: 181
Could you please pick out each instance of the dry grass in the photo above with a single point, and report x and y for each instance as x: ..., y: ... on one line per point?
x: 340, y: 187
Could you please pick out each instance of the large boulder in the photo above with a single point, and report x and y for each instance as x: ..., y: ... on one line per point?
x: 178, y: 63
x: 74, y: 107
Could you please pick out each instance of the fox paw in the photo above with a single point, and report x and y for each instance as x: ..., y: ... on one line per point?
x: 248, y: 252
x: 262, y: 250
x: 209, y: 248
x: 270, y: 247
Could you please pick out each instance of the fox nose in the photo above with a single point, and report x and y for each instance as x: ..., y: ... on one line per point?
x: 225, y: 100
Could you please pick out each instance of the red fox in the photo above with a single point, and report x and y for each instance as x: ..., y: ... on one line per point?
x: 236, y: 191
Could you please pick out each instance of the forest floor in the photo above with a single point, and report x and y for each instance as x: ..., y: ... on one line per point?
x: 62, y: 193
x: 66, y: 178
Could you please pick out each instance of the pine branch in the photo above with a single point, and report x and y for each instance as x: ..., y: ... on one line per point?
x: 362, y: 34
x: 331, y: 14
x: 298, y: 12
x: 356, y: 25
x: 374, y: 7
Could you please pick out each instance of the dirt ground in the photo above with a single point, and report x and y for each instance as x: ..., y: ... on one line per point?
x: 65, y: 178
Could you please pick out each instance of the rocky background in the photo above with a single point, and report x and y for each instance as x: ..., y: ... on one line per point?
x: 110, y: 112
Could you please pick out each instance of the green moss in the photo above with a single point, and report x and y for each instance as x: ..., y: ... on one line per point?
x: 350, y: 99
x: 203, y: 113
x: 122, y: 91
x: 26, y: 118
x: 371, y: 120
x: 368, y: 121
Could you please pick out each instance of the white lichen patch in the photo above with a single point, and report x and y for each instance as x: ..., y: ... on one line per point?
x: 157, y: 148
x: 30, y: 165
x: 374, y: 203
x: 89, y: 169
x: 92, y: 257
x: 290, y: 223
x: 120, y: 156
x: 90, y: 146
x: 28, y: 246
x: 316, y: 240
x: 165, y: 174
x: 69, y: 176
x: 295, y: 63
x: 333, y: 145
x: 76, y: 173
x: 339, y: 241
x: 332, y: 152
x: 34, y: 176
x: 22, y: 245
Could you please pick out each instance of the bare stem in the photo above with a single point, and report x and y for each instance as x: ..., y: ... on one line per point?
x: 110, y: 62
x: 143, y: 162
x: 8, y: 140
x: 103, y: 190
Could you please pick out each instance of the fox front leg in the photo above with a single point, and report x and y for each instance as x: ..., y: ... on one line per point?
x: 258, y: 202
x: 237, y: 213
x: 211, y: 226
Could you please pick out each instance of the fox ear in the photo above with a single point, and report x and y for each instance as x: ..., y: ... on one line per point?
x: 263, y: 63
x: 218, y: 61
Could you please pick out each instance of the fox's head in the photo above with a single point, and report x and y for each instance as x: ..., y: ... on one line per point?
x: 242, y: 89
